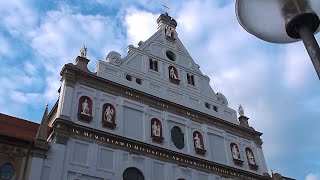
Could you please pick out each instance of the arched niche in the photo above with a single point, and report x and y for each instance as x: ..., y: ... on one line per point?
x: 156, y: 130
x: 108, y: 116
x: 85, y: 109
x: 235, y: 152
x: 198, y: 143
x: 132, y: 173
x: 251, y: 159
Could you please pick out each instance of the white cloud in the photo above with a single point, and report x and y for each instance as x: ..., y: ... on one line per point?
x: 140, y: 25
x: 312, y: 176
x: 17, y: 16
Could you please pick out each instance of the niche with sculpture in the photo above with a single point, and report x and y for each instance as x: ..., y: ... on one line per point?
x: 156, y: 130
x: 251, y: 160
x: 108, y: 116
x: 173, y: 75
x: 236, y: 154
x: 198, y: 143
x: 85, y: 109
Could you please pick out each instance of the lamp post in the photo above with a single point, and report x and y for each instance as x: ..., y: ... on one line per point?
x: 283, y: 21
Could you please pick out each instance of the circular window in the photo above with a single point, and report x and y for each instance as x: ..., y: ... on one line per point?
x: 207, y: 105
x: 128, y: 77
x: 215, y: 108
x: 6, y: 171
x: 171, y: 55
x: 177, y: 137
x: 138, y: 81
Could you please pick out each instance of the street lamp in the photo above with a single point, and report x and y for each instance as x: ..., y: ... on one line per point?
x: 283, y: 21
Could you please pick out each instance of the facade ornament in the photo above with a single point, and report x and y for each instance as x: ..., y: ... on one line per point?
x: 114, y: 57
x: 108, y: 114
x: 222, y: 99
x: 250, y: 158
x: 83, y: 52
x: 241, y: 111
x: 170, y: 32
x: 85, y: 108
x: 235, y: 152
x: 197, y: 142
x: 173, y: 73
x: 156, y: 130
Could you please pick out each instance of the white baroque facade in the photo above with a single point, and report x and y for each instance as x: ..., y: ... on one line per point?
x: 149, y: 115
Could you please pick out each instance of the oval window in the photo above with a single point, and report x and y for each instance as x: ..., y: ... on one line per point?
x: 171, y: 55
x: 177, y: 137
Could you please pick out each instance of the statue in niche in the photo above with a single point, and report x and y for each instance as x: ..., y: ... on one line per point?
x: 250, y: 158
x: 197, y: 142
x: 235, y: 152
x: 85, y: 108
x: 108, y: 114
x: 241, y: 111
x: 173, y: 73
x: 156, y: 129
x: 83, y: 52
x: 169, y: 31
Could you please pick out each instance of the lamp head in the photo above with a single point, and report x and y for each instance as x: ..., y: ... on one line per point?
x: 278, y: 21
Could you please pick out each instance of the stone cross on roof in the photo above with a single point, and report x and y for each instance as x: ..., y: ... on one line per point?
x: 166, y: 7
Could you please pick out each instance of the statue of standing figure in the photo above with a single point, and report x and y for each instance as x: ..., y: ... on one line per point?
x: 108, y: 114
x: 173, y: 74
x: 197, y: 142
x: 83, y: 52
x: 241, y: 111
x: 251, y: 158
x: 85, y: 108
x: 155, y: 129
x: 235, y: 152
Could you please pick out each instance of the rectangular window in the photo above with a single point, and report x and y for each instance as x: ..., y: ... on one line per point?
x: 190, y: 79
x: 153, y: 64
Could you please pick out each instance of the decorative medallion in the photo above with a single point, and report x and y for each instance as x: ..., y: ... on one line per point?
x: 156, y: 130
x: 108, y: 116
x: 251, y: 159
x: 198, y: 143
x: 114, y: 58
x: 177, y: 137
x: 85, y: 109
x: 222, y: 99
x: 236, y: 154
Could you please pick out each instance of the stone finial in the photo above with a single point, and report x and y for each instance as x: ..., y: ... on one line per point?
x: 83, y: 52
x: 241, y: 111
x: 42, y: 133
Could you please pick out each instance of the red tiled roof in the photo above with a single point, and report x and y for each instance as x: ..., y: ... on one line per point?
x: 17, y: 127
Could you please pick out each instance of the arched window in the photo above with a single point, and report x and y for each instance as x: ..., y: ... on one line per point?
x: 132, y: 174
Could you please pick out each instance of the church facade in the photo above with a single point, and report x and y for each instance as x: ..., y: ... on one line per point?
x: 150, y: 115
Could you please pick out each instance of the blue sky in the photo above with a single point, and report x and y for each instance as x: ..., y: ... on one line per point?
x: 276, y: 84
